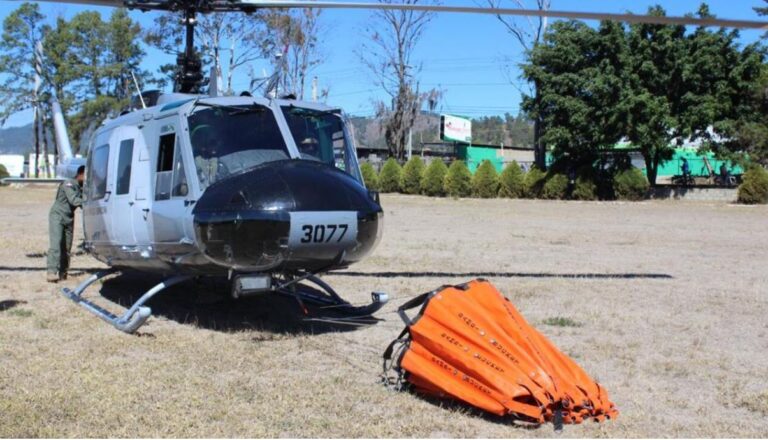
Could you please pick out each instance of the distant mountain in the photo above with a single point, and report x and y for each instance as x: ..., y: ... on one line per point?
x: 17, y: 140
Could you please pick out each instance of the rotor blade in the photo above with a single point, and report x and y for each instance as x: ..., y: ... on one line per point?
x: 145, y: 5
x: 630, y: 18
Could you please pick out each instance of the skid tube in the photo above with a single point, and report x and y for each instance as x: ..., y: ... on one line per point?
x: 134, y: 317
x: 327, y: 298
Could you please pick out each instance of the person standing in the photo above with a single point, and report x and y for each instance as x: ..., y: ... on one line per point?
x: 61, y: 225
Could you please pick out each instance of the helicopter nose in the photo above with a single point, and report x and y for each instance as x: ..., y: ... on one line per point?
x: 287, y: 215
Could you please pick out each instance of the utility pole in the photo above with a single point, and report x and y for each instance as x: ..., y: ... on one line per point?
x: 410, y: 143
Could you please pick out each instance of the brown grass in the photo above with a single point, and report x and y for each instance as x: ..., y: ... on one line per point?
x: 682, y: 356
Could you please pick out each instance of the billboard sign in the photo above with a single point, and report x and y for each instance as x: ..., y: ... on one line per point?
x: 455, y: 129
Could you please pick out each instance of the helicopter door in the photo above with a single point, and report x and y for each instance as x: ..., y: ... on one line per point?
x: 170, y: 207
x: 129, y: 219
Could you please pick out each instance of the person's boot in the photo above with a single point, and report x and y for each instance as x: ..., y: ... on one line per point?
x: 52, y: 278
x: 62, y: 276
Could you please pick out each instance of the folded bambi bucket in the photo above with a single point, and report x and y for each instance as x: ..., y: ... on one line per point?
x: 469, y: 343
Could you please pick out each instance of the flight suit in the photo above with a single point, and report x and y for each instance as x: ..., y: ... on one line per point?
x: 61, y: 223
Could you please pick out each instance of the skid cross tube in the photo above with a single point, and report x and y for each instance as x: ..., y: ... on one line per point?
x: 134, y: 317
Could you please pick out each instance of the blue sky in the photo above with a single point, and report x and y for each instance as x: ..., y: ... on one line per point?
x: 463, y: 55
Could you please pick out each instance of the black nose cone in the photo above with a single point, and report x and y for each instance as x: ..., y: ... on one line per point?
x: 287, y: 215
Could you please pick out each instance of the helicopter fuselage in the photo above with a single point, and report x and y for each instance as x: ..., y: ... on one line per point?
x: 215, y: 186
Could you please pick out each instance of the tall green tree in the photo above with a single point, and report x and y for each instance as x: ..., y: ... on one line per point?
x: 22, y: 30
x: 582, y: 90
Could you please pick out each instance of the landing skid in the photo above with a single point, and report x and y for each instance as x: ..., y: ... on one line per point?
x: 133, y: 318
x: 327, y: 300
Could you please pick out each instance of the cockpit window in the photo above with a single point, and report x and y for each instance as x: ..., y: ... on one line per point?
x: 228, y: 140
x: 321, y: 136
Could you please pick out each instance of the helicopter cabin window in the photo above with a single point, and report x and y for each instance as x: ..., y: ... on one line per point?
x: 97, y: 172
x: 124, y: 167
x: 321, y: 136
x: 165, y: 166
x: 230, y: 140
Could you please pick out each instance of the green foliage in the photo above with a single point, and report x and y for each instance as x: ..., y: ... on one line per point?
x: 370, y: 177
x: 512, y: 181
x: 584, y: 188
x: 413, y: 171
x: 389, y: 177
x: 432, y: 184
x: 485, y: 182
x: 458, y: 181
x: 3, y: 172
x: 754, y: 186
x: 507, y: 129
x: 555, y: 187
x: 534, y: 182
x: 630, y: 184
x: 562, y: 321
x: 653, y: 84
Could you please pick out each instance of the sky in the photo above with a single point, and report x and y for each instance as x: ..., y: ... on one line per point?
x: 470, y: 58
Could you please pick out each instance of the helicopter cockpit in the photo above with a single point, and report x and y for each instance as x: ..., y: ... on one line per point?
x: 229, y: 140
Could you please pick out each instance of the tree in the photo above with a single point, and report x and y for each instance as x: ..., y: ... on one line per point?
x: 511, y: 181
x: 389, y: 178
x: 529, y: 35
x: 485, y: 182
x: 434, y: 178
x: 413, y: 171
x: 296, y: 36
x: 388, y: 54
x: 582, y: 89
x: 458, y: 181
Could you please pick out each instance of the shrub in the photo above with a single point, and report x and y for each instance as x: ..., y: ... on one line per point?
x: 534, y: 182
x: 434, y: 178
x: 485, y: 182
x: 555, y: 187
x: 630, y: 184
x: 512, y: 181
x: 585, y: 188
x: 3, y: 172
x: 370, y: 177
x: 389, y: 178
x: 413, y: 171
x: 458, y: 181
x: 754, y: 186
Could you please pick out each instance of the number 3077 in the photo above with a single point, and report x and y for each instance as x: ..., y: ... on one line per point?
x: 323, y: 233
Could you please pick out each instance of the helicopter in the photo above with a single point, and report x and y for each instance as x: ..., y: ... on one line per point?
x: 263, y: 191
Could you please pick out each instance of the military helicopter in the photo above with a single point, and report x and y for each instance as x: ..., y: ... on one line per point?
x: 265, y: 191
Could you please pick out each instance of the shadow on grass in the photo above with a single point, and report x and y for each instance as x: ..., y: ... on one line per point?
x: 9, y: 304
x: 207, y: 304
x: 503, y: 275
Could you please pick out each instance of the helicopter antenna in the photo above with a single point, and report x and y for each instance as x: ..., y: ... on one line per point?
x: 138, y: 90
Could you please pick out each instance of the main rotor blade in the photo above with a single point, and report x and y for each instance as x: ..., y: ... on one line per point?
x: 629, y: 18
x: 204, y: 6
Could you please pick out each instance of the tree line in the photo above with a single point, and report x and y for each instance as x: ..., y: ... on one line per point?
x: 653, y: 85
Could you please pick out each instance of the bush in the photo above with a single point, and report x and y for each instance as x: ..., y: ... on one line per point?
x: 630, y: 184
x: 555, y: 187
x: 458, y: 181
x: 370, y: 177
x: 534, y: 182
x: 485, y: 182
x: 3, y: 172
x: 512, y: 181
x: 585, y: 188
x: 434, y: 178
x: 389, y: 178
x: 754, y: 186
x: 413, y: 171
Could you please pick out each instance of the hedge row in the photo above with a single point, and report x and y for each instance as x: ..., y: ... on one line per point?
x: 438, y: 180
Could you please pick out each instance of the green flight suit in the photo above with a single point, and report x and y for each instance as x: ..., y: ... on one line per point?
x: 61, y: 224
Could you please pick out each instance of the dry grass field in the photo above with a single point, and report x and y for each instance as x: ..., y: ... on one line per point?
x: 665, y: 303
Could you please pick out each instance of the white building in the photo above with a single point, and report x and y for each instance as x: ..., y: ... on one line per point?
x: 13, y: 163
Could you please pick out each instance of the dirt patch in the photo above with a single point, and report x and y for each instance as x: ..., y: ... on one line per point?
x: 670, y: 300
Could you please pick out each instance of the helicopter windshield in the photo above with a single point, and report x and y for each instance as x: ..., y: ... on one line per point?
x: 228, y: 140
x: 322, y: 136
